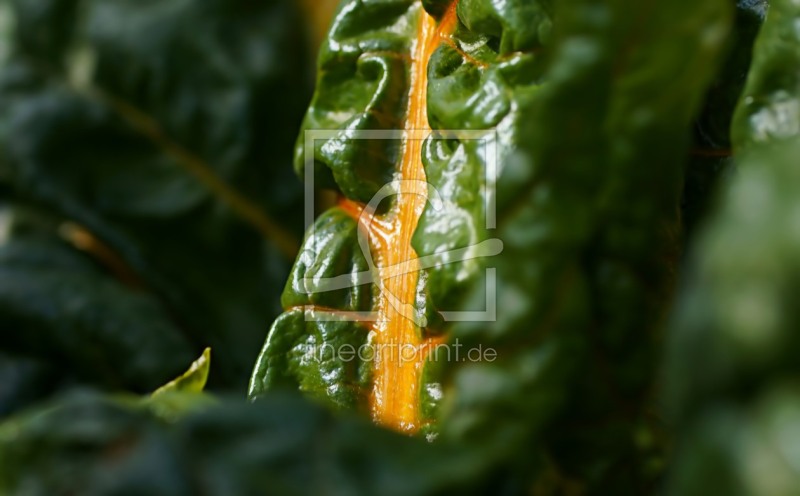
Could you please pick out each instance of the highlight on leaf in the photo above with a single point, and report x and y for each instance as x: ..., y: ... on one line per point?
x: 191, y: 381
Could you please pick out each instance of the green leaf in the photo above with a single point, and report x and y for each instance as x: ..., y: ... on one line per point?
x: 156, y: 137
x: 731, y: 366
x: 731, y: 374
x: 183, y: 394
x: 710, y: 160
x: 192, y: 381
x: 769, y: 109
x: 25, y: 381
x: 363, y: 83
x: 58, y: 306
x: 328, y: 360
x: 588, y: 215
x: 91, y: 445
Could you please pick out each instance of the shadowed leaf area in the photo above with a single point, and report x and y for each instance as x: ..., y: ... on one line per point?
x: 148, y: 207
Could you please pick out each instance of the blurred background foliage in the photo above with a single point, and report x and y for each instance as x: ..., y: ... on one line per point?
x: 148, y: 208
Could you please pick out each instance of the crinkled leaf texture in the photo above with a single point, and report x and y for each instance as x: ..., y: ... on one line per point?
x: 363, y: 85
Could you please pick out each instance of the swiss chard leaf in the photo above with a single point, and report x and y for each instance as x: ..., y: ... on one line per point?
x: 155, y: 137
x: 592, y: 103
x: 587, y: 210
x: 58, y: 306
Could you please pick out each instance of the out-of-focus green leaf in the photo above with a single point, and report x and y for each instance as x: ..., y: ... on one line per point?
x: 183, y: 394
x: 156, y: 137
x: 710, y: 158
x: 90, y: 445
x: 769, y: 109
x: 731, y: 370
x: 25, y: 380
x: 588, y: 215
x: 58, y: 306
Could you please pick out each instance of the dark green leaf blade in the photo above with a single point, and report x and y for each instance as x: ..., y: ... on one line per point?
x: 164, y: 130
x: 588, y: 217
